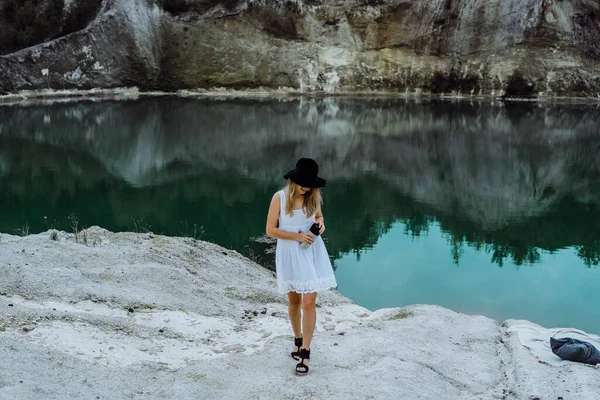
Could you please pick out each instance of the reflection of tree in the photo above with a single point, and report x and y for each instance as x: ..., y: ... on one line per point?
x: 568, y: 223
x: 417, y: 224
x: 355, y: 217
x: 590, y: 253
x: 520, y: 254
x: 363, y: 210
x: 456, y: 249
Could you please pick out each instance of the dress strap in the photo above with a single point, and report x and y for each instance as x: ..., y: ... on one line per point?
x: 282, y: 202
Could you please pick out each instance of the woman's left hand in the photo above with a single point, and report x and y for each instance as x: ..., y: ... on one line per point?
x: 321, y: 227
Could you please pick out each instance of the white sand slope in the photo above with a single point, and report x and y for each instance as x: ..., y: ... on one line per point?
x: 144, y: 316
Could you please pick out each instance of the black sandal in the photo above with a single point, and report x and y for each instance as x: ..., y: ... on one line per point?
x: 304, y: 355
x: 298, y: 344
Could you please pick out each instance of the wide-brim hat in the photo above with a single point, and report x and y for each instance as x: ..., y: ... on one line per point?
x: 305, y: 174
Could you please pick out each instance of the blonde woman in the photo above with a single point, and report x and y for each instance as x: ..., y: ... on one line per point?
x: 302, y: 263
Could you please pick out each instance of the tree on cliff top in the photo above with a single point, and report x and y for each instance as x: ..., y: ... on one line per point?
x: 25, y: 23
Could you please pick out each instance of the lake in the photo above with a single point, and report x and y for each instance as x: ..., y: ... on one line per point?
x: 482, y: 207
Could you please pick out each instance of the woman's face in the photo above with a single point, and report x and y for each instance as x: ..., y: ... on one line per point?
x: 302, y: 190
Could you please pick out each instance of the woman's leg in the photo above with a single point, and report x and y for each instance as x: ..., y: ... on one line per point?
x: 295, y: 300
x: 309, y: 318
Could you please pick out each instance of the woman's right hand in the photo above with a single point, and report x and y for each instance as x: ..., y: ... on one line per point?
x: 305, y: 237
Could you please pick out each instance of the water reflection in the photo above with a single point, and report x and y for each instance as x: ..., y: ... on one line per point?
x: 510, y: 180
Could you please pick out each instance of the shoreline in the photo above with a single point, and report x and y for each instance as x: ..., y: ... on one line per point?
x: 133, y: 93
x: 128, y: 315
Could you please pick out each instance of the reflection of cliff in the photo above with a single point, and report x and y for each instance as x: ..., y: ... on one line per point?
x: 39, y: 180
x: 488, y: 164
x: 489, y: 174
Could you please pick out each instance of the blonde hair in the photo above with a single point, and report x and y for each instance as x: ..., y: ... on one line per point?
x: 312, y: 199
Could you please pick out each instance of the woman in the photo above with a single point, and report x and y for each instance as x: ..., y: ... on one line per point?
x: 301, y: 271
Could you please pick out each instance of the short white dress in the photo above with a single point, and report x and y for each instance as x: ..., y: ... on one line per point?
x: 301, y: 270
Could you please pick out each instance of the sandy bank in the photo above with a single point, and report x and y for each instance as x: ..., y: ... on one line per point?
x: 143, y: 316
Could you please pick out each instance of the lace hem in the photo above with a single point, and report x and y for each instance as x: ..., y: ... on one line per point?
x: 318, y: 285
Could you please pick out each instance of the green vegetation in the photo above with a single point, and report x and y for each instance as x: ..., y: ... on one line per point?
x: 25, y: 23
x: 195, y: 231
x: 177, y: 7
x: 402, y: 315
x: 442, y: 83
x: 74, y: 220
x: 81, y: 13
x: 53, y: 235
x: 519, y: 87
x: 23, y: 230
x: 140, y: 225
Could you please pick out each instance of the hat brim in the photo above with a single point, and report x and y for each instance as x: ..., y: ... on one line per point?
x: 305, y: 182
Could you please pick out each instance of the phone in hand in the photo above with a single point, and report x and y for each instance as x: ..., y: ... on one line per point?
x: 315, y: 229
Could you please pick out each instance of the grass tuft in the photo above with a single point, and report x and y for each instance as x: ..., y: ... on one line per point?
x: 74, y: 226
x: 23, y: 230
x: 195, y: 232
x: 402, y: 315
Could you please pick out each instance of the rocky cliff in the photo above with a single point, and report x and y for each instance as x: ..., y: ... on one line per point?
x: 523, y: 48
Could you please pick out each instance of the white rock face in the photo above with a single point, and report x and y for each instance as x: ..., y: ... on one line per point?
x: 144, y: 316
x: 530, y: 48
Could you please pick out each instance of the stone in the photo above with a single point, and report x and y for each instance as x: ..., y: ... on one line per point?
x: 233, y: 348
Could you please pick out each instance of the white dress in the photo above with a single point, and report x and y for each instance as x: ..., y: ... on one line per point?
x: 301, y: 270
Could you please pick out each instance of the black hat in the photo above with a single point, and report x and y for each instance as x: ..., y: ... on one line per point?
x: 305, y: 174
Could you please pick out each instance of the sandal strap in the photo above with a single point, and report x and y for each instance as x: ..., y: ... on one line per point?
x: 298, y: 341
x: 301, y: 365
x: 304, y: 354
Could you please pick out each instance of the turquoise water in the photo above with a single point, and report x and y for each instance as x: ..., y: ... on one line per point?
x: 484, y: 208
x: 403, y: 270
